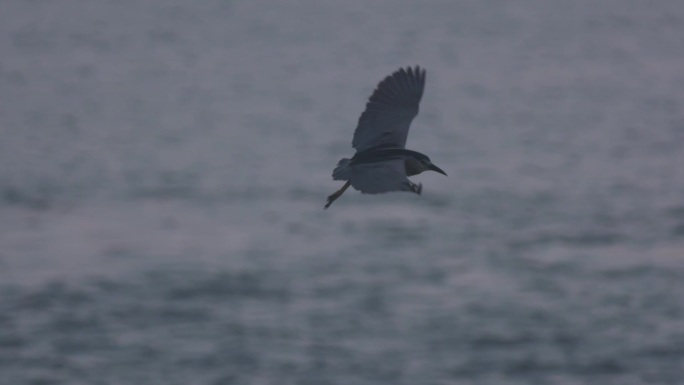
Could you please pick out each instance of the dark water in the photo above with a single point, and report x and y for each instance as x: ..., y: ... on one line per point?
x: 164, y: 164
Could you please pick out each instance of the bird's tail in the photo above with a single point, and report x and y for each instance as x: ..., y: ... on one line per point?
x: 342, y: 171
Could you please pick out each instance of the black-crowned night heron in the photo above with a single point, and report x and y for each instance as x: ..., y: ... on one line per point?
x: 381, y: 163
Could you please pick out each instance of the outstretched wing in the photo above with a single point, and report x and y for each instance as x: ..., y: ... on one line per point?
x: 380, y: 177
x: 390, y: 110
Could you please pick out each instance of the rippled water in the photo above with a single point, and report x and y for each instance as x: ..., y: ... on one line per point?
x: 164, y: 164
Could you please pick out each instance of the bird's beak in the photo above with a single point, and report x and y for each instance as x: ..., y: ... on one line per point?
x: 437, y: 169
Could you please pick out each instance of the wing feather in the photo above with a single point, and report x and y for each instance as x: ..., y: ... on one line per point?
x: 390, y: 110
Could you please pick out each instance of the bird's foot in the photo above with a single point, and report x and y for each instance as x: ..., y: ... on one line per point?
x: 331, y: 199
x: 336, y: 194
x: 416, y: 188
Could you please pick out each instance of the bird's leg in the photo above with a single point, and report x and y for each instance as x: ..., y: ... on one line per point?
x: 336, y: 194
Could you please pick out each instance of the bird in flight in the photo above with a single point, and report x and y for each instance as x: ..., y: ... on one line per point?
x: 382, y: 163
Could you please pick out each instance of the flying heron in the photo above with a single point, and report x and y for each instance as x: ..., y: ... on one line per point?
x: 381, y: 163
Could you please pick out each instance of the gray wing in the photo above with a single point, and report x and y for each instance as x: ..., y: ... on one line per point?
x: 381, y: 177
x: 390, y: 110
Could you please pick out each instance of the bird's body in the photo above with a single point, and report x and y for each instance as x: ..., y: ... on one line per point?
x: 411, y: 158
x: 381, y: 163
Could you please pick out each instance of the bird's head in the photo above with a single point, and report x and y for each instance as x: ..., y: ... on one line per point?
x: 422, y: 163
